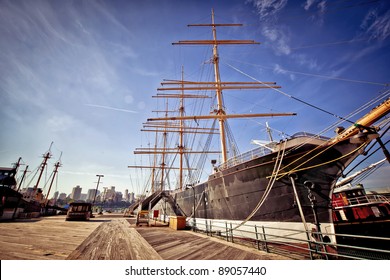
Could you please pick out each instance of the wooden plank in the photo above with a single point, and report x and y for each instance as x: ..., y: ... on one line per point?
x: 43, y: 238
x: 114, y: 240
x: 187, y: 245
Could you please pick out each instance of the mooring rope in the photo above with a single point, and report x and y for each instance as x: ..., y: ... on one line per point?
x: 271, y: 182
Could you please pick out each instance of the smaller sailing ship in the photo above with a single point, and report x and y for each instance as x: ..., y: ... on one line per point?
x: 9, y: 197
x: 17, y: 202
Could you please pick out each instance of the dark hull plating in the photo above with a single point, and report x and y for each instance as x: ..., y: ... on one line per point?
x: 233, y: 193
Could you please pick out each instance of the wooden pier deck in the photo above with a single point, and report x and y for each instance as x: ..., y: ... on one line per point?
x: 113, y: 237
x: 49, y: 238
x: 115, y: 240
x: 187, y: 245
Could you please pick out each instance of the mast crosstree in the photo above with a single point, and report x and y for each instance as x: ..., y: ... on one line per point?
x: 217, y: 85
x: 185, y: 89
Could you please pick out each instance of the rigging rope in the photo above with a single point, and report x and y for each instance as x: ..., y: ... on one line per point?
x: 374, y: 100
x: 363, y: 176
x: 271, y: 182
x: 233, y: 144
x: 290, y: 96
x: 202, y: 158
x: 314, y: 75
x: 320, y: 164
x: 365, y: 158
x: 35, y: 174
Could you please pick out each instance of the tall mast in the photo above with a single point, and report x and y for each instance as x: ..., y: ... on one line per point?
x: 16, y: 167
x: 181, y: 132
x: 43, y: 165
x: 17, y: 164
x: 165, y: 135
x: 56, y: 166
x: 218, y: 86
x: 166, y: 127
x: 154, y: 164
x: 269, y: 132
x: 181, y: 88
x: 218, y: 91
x: 21, y: 180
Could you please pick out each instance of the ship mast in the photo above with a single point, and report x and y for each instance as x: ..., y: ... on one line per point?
x: 218, y: 90
x: 163, y: 154
x: 181, y: 132
x: 164, y: 128
x: 23, y: 176
x: 43, y: 165
x: 181, y: 88
x: 218, y: 86
x: 56, y: 166
x: 154, y: 164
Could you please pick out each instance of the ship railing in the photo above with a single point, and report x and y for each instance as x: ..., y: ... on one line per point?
x: 252, y: 154
x: 262, y: 151
x: 362, y: 200
x: 293, y: 243
x: 310, y: 135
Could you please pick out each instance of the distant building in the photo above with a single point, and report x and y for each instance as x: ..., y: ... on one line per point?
x: 83, y: 196
x: 109, y: 194
x: 55, y: 195
x: 76, y: 193
x: 118, y: 197
x: 126, y: 195
x: 91, y: 194
x: 62, y: 196
x: 131, y: 197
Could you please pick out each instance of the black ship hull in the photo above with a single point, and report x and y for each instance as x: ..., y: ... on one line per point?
x: 235, y: 192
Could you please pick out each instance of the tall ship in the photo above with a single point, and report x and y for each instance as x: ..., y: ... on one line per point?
x: 17, y: 202
x: 279, y: 184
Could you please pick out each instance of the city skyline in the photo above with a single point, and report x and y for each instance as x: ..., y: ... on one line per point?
x: 90, y: 194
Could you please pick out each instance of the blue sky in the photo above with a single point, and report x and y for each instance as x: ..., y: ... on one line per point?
x: 82, y: 73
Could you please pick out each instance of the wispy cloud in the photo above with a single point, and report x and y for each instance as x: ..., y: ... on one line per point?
x: 308, y: 62
x: 376, y: 24
x: 308, y: 4
x: 60, y: 123
x: 374, y: 28
x: 279, y: 70
x: 111, y: 108
x: 278, y: 35
x: 146, y: 73
x: 268, y: 9
x: 319, y: 8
